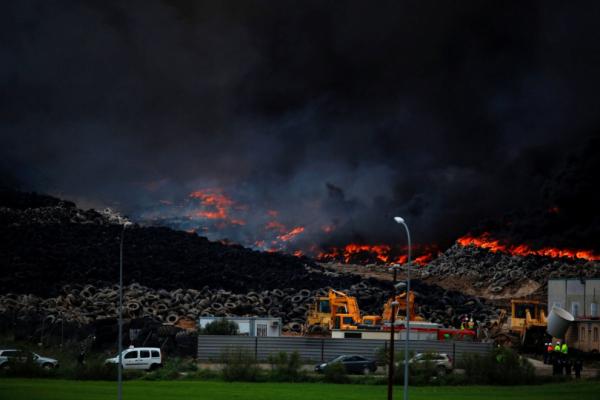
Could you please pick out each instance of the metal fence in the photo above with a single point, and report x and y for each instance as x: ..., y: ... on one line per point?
x: 210, y: 348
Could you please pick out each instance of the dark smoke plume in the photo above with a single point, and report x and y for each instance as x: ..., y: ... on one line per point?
x: 336, y: 115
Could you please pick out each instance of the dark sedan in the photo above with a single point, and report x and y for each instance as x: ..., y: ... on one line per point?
x: 353, y: 364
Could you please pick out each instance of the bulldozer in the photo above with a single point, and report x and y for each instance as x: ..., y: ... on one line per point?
x: 526, y: 327
x: 337, y: 310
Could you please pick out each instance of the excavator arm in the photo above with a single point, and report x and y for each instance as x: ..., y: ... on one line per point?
x: 401, y: 307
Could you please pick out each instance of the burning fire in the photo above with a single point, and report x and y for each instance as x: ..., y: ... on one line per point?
x: 485, y: 241
x: 215, y: 205
x: 291, y: 234
x: 215, y: 201
x: 384, y: 253
x: 213, y: 212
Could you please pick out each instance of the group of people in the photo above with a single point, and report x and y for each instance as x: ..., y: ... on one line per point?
x: 558, y: 355
x: 466, y: 322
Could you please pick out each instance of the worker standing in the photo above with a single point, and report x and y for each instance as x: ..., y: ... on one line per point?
x: 578, y: 366
x: 555, y: 364
x: 561, y: 365
x: 557, y: 346
x: 547, y: 350
x: 564, y: 349
x: 568, y: 365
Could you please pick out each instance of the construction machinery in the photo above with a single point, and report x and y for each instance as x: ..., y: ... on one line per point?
x: 401, y: 308
x: 526, y: 327
x: 337, y: 310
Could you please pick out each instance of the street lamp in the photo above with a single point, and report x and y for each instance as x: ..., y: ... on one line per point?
x: 400, y: 220
x: 120, y: 367
x: 392, y: 323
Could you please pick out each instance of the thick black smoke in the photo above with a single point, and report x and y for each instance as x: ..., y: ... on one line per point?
x: 333, y: 113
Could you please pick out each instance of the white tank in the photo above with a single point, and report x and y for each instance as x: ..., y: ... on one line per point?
x: 558, y: 322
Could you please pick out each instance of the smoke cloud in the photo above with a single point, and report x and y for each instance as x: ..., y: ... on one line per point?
x: 337, y: 116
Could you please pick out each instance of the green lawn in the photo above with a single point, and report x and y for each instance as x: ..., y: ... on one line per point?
x: 50, y: 389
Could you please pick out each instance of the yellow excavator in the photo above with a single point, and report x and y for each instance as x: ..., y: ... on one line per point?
x: 401, y: 308
x: 526, y: 327
x: 337, y: 310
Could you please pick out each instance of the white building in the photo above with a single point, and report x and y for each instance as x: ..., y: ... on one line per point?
x: 581, y: 298
x: 249, y: 326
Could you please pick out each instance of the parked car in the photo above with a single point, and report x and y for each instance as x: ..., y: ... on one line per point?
x: 147, y: 358
x: 353, y: 364
x: 8, y: 356
x: 442, y: 362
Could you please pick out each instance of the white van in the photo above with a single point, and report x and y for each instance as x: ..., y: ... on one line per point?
x: 147, y: 358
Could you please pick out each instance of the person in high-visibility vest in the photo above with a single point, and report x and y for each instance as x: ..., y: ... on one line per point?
x: 557, y: 347
x: 463, y: 323
x: 564, y: 349
x: 550, y: 352
x: 547, y: 350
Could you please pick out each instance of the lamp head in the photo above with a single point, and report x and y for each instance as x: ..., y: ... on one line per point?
x: 399, y: 220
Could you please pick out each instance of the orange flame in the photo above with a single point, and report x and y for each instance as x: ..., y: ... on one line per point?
x: 424, y: 259
x: 381, y: 252
x: 216, y: 202
x: 485, y: 241
x: 291, y: 234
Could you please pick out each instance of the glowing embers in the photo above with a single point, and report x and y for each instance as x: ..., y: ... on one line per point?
x: 485, y: 241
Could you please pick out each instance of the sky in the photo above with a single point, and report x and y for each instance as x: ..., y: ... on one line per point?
x: 327, y: 115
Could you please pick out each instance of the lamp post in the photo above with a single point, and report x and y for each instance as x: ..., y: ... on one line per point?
x: 391, y: 355
x: 120, y: 344
x: 400, y: 220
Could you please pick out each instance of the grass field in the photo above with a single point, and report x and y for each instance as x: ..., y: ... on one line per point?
x: 41, y: 389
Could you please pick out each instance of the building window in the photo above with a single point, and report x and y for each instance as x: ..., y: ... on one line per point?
x: 575, y: 309
x: 582, y: 336
x: 261, y: 329
x: 595, y: 334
